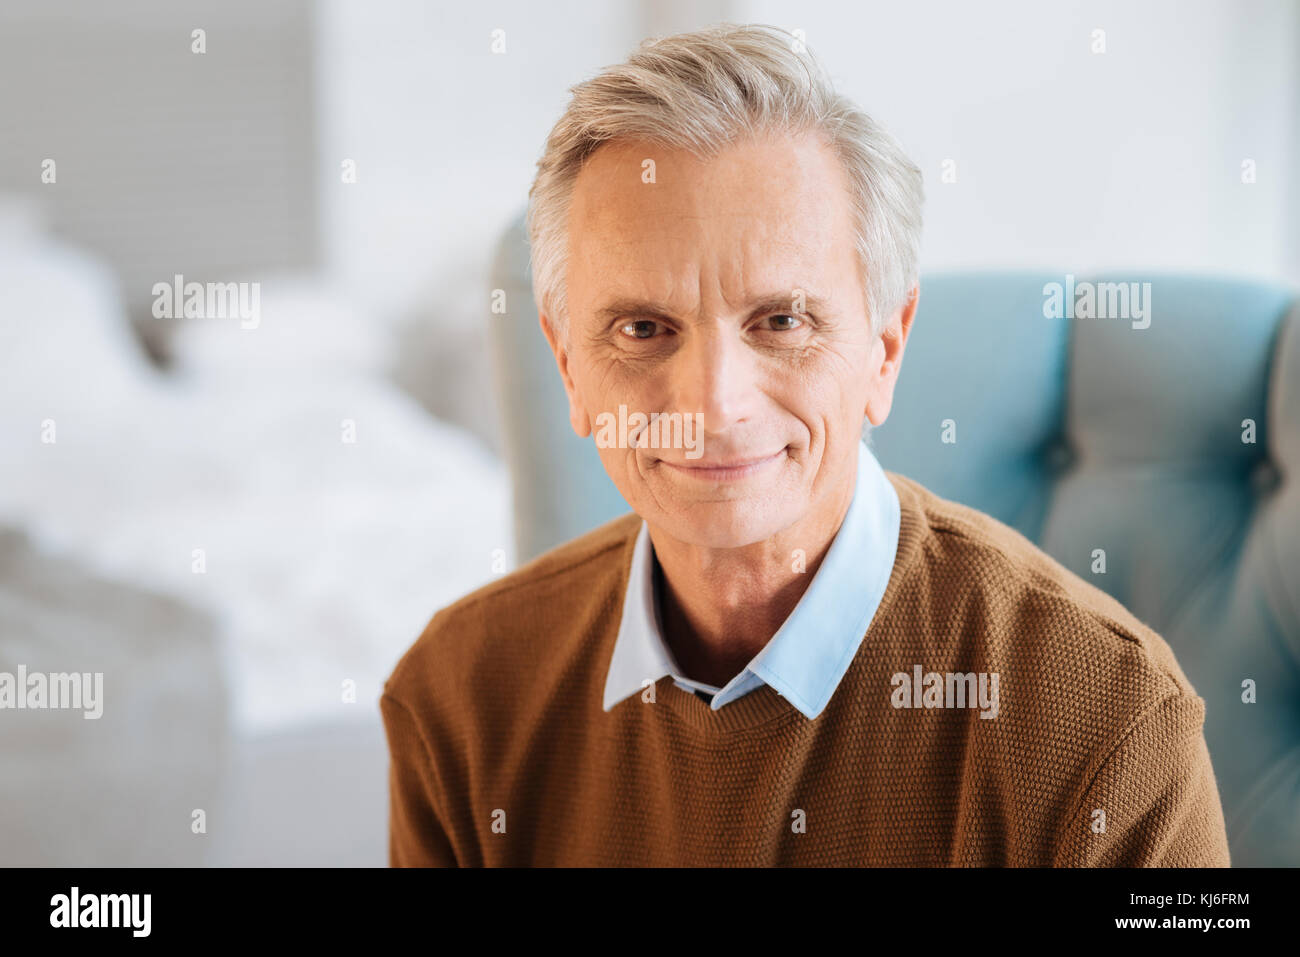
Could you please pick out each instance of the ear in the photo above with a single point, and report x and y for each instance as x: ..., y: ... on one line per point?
x: 887, y: 358
x: 578, y: 417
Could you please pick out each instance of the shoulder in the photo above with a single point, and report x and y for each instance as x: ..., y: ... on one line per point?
x: 1033, y: 614
x: 530, y: 609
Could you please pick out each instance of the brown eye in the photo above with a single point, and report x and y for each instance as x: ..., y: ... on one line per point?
x: 639, y: 328
x: 785, y: 322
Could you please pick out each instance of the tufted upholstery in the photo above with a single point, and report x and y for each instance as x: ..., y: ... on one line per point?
x: 1091, y: 438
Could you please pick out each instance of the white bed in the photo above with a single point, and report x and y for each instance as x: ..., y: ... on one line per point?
x: 321, y: 559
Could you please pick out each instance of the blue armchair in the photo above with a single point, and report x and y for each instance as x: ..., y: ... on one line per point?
x: 1158, y: 463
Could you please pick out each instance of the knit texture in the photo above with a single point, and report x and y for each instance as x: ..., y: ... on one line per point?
x: 501, y: 754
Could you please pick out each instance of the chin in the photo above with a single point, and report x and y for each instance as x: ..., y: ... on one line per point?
x: 724, y: 524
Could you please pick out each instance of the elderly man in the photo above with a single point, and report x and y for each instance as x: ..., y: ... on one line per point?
x: 785, y: 654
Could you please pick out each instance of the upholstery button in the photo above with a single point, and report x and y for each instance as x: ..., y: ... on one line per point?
x: 1059, y: 456
x: 1264, y: 477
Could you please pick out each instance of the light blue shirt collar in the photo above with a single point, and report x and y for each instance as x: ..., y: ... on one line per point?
x: 808, y: 656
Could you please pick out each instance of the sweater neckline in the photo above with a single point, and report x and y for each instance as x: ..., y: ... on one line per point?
x: 764, y: 706
x: 756, y: 708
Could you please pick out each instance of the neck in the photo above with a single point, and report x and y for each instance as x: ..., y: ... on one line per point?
x: 721, y: 606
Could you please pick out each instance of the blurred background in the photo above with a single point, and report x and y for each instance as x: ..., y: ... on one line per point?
x: 245, y: 524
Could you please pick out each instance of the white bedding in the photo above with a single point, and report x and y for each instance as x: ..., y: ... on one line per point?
x: 324, y: 560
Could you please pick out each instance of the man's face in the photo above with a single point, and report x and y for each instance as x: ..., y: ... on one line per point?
x: 684, y: 297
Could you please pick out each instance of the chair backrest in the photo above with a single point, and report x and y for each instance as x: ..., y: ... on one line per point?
x: 1153, y: 452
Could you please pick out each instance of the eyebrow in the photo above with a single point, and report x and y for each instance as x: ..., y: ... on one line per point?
x: 763, y: 305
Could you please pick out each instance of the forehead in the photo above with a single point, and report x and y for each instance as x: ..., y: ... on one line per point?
x: 763, y: 214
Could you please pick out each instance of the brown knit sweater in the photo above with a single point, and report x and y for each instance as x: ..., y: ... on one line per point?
x: 501, y: 753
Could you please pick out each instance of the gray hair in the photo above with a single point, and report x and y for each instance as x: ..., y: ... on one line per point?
x: 702, y: 91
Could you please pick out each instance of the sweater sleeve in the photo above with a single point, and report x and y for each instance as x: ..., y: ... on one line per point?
x: 417, y: 833
x: 1154, y: 801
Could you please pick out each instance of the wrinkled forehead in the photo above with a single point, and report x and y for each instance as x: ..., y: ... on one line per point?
x: 651, y: 220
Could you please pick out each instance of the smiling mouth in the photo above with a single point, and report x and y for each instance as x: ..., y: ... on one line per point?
x: 725, y: 470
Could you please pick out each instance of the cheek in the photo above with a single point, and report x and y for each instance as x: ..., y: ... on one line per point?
x: 824, y: 382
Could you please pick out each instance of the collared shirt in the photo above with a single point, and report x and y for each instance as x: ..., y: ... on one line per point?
x: 809, y: 654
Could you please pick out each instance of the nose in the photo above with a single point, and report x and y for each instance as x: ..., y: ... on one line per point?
x: 714, y: 374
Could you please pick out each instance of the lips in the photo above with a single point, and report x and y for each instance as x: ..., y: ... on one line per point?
x: 723, y: 468
x: 730, y: 463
